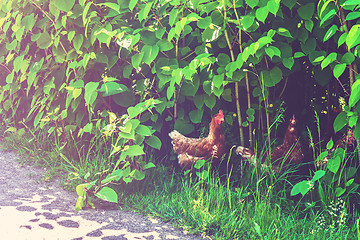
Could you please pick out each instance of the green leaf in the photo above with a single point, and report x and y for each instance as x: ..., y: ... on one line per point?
x: 44, y: 41
x: 64, y: 5
x: 86, y: 9
x: 252, y: 3
x: 348, y: 58
x: 302, y: 187
x: 164, y: 45
x: 134, y: 150
x: 307, y: 11
x: 78, y: 41
x: 352, y: 16
x: 81, y: 189
x: 271, y: 78
x: 262, y: 13
x: 273, y: 51
x: 136, y: 60
x: 288, y: 62
x: 353, y: 37
x: 284, y: 32
x: 112, y: 88
x: 218, y: 80
x: 340, y: 121
x: 199, y: 163
x: 111, y: 5
x: 357, y: 131
x: 339, y: 69
x: 322, y: 155
x: 150, y: 53
x: 353, y: 120
x: 348, y: 183
x: 172, y: 16
x: 210, y: 101
x: 107, y: 194
x: 342, y: 39
x: 273, y: 6
x: 328, y: 16
x: 355, y: 93
x: 329, y: 59
x: 144, y: 13
x: 318, y: 174
x: 149, y: 165
x: 110, y: 178
x: 80, y: 203
x: 132, y: 4
x: 223, y: 59
x: 250, y: 111
x: 227, y: 95
x: 138, y: 175
x: 199, y: 101
x: 38, y: 118
x: 91, y: 92
x: 298, y: 54
x: 339, y: 191
x: 154, y: 142
x: 143, y: 130
x: 11, y: 46
x: 196, y: 115
x: 183, y: 126
x: 247, y: 21
x: 204, y: 23
x: 330, y: 144
x: 332, y: 30
x: 350, y: 2
x: 309, y: 25
x: 333, y: 164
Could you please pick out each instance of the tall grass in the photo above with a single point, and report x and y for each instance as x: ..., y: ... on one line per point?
x: 235, y: 201
x: 228, y: 211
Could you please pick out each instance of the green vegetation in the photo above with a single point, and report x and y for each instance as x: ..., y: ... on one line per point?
x: 92, y: 88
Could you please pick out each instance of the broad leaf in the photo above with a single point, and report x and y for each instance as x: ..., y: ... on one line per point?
x: 339, y: 70
x: 91, y: 92
x: 134, y: 150
x: 306, y: 12
x: 302, y: 187
x: 107, y: 194
x: 355, y: 94
x: 64, y: 5
x: 340, y: 121
x: 154, y: 142
x: 333, y: 164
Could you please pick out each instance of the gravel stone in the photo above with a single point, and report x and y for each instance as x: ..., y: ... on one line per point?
x: 32, y: 209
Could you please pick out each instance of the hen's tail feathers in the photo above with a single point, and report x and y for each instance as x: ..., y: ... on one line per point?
x: 174, y: 134
x: 246, y: 153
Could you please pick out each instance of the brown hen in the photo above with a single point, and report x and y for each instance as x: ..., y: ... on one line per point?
x: 190, y: 150
x: 290, y: 150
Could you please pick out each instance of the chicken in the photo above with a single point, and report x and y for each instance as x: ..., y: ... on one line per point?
x: 190, y: 150
x: 290, y: 150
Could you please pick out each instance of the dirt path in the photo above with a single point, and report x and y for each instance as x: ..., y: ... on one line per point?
x: 32, y: 209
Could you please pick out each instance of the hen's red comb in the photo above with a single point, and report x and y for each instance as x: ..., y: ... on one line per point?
x: 221, y: 113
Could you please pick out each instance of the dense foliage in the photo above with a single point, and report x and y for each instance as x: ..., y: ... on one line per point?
x: 125, y: 72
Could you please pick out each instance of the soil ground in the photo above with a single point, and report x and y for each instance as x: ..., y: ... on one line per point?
x: 33, y: 209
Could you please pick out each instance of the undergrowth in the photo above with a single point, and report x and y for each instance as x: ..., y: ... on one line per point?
x: 234, y: 201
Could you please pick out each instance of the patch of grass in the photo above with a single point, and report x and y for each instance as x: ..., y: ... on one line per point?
x: 230, y: 211
x: 233, y: 202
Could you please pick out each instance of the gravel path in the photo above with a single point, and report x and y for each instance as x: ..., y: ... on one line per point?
x: 32, y: 209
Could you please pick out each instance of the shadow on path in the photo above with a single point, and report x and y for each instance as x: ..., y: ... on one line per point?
x: 30, y: 209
